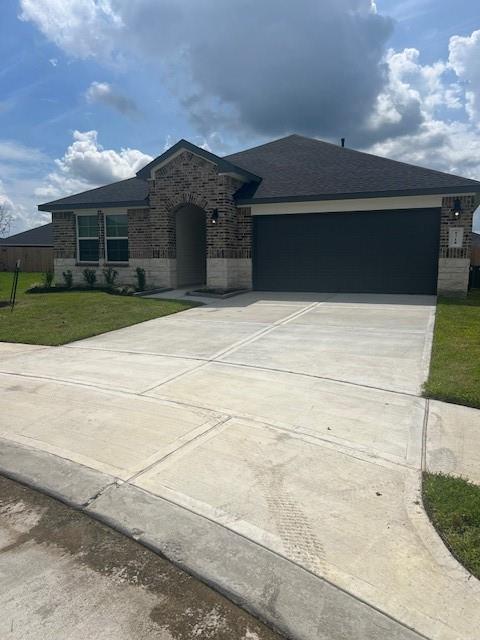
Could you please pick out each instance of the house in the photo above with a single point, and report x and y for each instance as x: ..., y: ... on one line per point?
x: 295, y: 214
x: 34, y: 249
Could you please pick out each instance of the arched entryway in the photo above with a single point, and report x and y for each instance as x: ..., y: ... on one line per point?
x: 191, y: 241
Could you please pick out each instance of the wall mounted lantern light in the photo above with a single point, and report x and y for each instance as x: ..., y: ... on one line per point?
x: 457, y: 207
x: 214, y: 217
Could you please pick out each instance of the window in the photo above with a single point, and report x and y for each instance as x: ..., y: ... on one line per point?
x: 116, y: 236
x: 87, y: 236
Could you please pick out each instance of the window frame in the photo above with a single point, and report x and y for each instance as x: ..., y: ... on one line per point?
x: 97, y: 237
x: 106, y: 238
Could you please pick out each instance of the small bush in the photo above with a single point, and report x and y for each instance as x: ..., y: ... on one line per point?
x: 68, y: 278
x: 110, y: 276
x: 90, y: 277
x: 141, y: 279
x: 48, y: 279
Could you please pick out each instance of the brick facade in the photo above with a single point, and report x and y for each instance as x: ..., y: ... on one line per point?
x: 139, y: 234
x: 454, y: 263
x: 64, y: 234
x: 448, y: 220
x: 188, y: 179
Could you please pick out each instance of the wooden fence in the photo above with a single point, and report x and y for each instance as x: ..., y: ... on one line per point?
x: 32, y: 258
x: 475, y: 259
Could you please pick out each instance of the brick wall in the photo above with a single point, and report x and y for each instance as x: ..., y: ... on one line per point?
x: 465, y: 220
x: 454, y: 263
x: 139, y: 234
x: 188, y: 179
x: 64, y: 240
x: 244, y: 232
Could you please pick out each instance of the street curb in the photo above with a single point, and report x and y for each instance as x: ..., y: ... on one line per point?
x: 285, y: 596
x: 70, y: 482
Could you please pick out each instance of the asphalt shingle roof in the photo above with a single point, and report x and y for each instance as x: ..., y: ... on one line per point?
x: 292, y: 168
x: 37, y: 237
x: 296, y: 166
x: 130, y: 192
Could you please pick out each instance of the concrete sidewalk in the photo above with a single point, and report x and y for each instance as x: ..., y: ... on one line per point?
x: 453, y: 440
x: 271, y: 444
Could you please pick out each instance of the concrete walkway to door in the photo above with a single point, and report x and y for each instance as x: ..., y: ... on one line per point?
x: 271, y: 443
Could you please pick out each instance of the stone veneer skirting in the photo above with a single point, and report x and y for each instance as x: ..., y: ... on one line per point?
x: 453, y: 274
x: 222, y: 273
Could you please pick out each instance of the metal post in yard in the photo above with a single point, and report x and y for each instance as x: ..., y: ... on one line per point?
x: 13, y: 292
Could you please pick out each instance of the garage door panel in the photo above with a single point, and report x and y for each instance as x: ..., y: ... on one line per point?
x: 367, y: 252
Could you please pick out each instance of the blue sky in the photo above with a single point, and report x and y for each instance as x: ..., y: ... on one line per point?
x: 91, y: 89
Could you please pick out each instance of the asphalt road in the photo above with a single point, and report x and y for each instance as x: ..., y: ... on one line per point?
x: 66, y: 576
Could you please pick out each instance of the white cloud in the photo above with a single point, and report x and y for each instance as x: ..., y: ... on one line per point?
x: 11, y: 151
x: 86, y: 164
x: 464, y: 59
x: 28, y: 178
x: 199, y: 49
x: 446, y: 136
x: 23, y: 215
x: 103, y: 92
x: 83, y: 28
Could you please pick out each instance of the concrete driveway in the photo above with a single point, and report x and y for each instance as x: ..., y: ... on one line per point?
x: 293, y: 422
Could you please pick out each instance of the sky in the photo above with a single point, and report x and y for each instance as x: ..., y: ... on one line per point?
x: 91, y: 90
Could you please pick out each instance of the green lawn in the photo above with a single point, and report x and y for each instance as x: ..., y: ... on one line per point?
x: 57, y: 318
x: 455, y: 367
x: 453, y: 505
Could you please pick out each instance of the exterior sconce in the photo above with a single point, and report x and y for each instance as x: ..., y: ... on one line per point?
x: 214, y: 217
x: 457, y: 208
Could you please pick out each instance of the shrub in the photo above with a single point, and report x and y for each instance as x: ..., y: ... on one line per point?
x: 141, y: 278
x: 68, y: 277
x: 90, y: 277
x: 48, y: 279
x: 110, y: 276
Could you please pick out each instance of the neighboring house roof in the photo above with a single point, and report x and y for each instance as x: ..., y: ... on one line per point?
x: 292, y: 168
x: 37, y: 237
x: 476, y: 239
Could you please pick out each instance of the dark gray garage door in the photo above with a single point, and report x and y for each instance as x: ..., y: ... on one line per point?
x: 368, y: 252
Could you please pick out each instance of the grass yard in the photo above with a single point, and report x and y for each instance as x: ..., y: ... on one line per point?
x: 455, y: 367
x: 453, y: 505
x: 57, y: 318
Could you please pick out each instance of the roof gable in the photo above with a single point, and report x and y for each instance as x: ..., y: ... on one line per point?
x: 224, y: 166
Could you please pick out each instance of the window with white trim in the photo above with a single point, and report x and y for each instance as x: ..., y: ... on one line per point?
x: 87, y: 238
x: 116, y: 237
